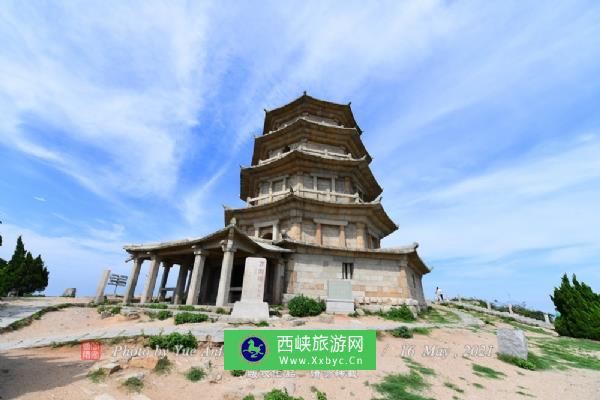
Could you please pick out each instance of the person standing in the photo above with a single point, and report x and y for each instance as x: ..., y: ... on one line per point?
x: 439, y: 296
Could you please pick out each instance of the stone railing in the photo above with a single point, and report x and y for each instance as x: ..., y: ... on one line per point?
x: 305, y: 149
x: 332, y: 197
x: 490, y: 311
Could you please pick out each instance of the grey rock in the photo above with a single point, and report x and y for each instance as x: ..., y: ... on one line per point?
x: 512, y: 342
x: 69, y: 292
x: 105, y: 314
x: 360, y: 311
x: 298, y: 322
x: 138, y: 375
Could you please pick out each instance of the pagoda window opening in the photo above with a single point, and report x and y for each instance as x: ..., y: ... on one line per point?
x: 347, y: 270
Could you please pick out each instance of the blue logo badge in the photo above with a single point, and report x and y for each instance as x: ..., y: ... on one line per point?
x: 253, y: 349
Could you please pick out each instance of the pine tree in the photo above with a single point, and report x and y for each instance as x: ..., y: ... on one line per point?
x: 579, y: 309
x: 23, y: 273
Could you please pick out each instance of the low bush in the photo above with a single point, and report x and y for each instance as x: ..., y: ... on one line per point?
x: 158, y: 306
x: 186, y: 307
x: 195, y: 374
x: 277, y: 394
x: 115, y: 310
x: 401, y: 332
x: 519, y: 362
x: 302, y: 306
x: 163, y: 366
x: 164, y: 314
x: 133, y: 384
x: 401, y: 313
x: 187, y: 317
x: 238, y: 372
x: 173, y: 342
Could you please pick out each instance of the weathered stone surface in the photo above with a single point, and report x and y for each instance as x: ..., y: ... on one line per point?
x: 512, y: 342
x: 69, y: 292
x: 290, y: 387
x: 132, y: 315
x: 327, y: 319
x: 143, y: 362
x: 215, y: 378
x: 105, y: 314
x: 360, y: 311
x: 298, y: 322
x: 104, y: 396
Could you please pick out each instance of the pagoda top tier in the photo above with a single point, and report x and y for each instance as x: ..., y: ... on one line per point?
x: 305, y: 106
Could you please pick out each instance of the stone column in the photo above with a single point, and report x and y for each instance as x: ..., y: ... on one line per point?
x: 278, y: 281
x: 318, y: 236
x: 150, y: 280
x: 196, y: 279
x: 226, y: 268
x: 510, y: 308
x: 276, y: 230
x: 132, y: 281
x: 180, y: 286
x: 189, y: 281
x: 101, y: 286
x: 163, y: 281
x: 361, y: 240
x: 342, y: 236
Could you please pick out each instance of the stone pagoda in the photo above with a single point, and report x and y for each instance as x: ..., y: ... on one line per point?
x: 312, y: 209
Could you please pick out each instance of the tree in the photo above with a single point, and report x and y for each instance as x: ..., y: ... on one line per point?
x: 579, y: 309
x: 23, y: 273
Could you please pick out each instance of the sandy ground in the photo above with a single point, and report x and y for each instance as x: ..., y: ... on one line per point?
x: 59, y: 373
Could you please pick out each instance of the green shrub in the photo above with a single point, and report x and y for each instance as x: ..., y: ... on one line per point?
x: 163, y: 366
x: 164, y: 314
x: 401, y: 332
x: 187, y: 317
x: 519, y: 362
x: 185, y: 307
x: 158, y: 306
x: 221, y: 310
x: 320, y: 395
x: 401, y: 313
x: 277, y: 394
x: 579, y: 309
x: 302, y: 306
x: 173, y: 342
x: 195, y: 374
x: 249, y: 397
x: 238, y: 372
x: 115, y: 310
x: 262, y: 323
x: 98, y: 375
x: 134, y: 384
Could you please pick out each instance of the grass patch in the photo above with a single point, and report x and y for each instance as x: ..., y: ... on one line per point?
x: 421, y: 331
x: 238, y: 372
x: 133, y: 384
x: 320, y: 395
x: 402, y: 314
x: 221, y: 310
x: 277, y: 394
x: 115, y: 310
x: 401, y: 332
x: 436, y: 316
x: 173, y: 342
x: 195, y: 374
x: 452, y: 386
x: 185, y: 307
x: 249, y: 397
x: 402, y: 386
x: 187, y: 317
x: 36, y: 315
x: 486, y: 372
x: 568, y: 353
x: 156, y: 306
x: 163, y: 366
x: 478, y: 385
x: 164, y: 314
x: 413, y: 365
x: 524, y: 394
x: 98, y: 375
x: 261, y: 324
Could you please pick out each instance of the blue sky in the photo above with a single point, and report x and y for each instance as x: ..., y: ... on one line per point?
x: 125, y: 122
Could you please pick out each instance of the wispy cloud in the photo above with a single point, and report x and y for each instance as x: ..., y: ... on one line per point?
x: 39, y: 198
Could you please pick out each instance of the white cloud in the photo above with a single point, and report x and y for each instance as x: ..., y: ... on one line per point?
x: 39, y: 198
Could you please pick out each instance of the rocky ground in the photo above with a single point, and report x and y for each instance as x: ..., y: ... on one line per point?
x: 449, y: 372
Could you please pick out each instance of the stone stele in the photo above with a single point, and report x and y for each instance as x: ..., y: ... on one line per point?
x: 251, y: 306
x: 512, y: 342
x: 339, y: 296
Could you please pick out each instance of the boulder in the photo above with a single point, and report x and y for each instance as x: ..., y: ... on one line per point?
x: 110, y: 367
x: 143, y: 362
x: 69, y: 292
x: 360, y: 312
x: 105, y: 314
x: 512, y: 342
x: 215, y: 378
